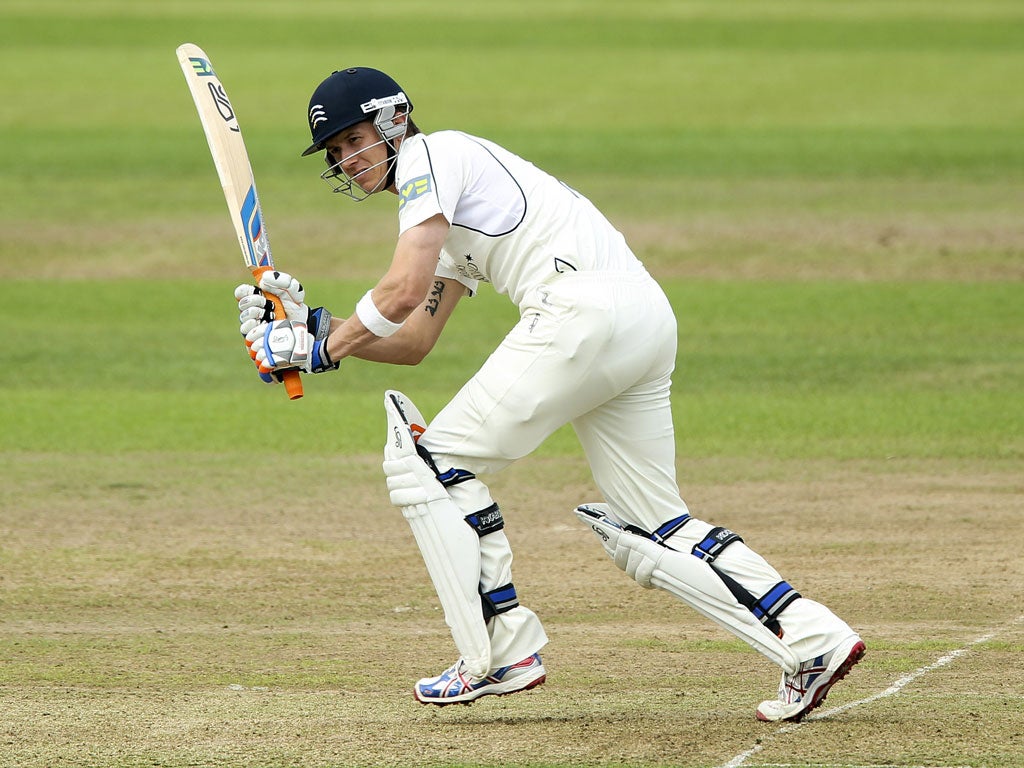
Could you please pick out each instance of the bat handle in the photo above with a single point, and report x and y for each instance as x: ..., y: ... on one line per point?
x: 292, y: 380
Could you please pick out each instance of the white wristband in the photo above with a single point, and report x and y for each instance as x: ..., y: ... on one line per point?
x: 371, y: 317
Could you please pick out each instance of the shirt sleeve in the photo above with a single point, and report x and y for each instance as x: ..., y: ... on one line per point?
x: 425, y: 186
x: 446, y: 268
x: 429, y: 183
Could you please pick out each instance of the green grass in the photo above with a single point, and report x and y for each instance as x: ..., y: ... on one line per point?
x: 679, y: 89
x: 793, y: 370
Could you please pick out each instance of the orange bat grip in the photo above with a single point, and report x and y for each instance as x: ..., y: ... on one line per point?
x: 292, y: 380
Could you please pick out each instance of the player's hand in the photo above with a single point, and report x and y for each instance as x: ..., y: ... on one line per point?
x: 285, y: 344
x: 254, y: 308
x: 291, y: 293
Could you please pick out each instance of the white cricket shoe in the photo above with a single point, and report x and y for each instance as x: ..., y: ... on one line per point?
x: 455, y: 686
x: 802, y: 692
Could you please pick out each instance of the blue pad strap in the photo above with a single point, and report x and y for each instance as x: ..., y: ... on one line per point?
x: 711, y: 546
x: 767, y: 608
x: 454, y: 476
x: 662, y: 532
x: 486, y: 520
x: 499, y: 600
x: 667, y: 529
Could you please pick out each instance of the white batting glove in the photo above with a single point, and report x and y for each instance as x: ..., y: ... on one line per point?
x: 280, y: 344
x: 287, y: 344
x: 291, y: 293
x: 254, y: 307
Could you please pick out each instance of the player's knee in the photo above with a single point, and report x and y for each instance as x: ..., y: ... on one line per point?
x: 752, y: 582
x: 472, y: 496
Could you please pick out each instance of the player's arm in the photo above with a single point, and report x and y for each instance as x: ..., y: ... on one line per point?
x: 409, y: 294
x: 421, y: 330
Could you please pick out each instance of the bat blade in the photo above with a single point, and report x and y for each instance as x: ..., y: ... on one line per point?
x: 227, y: 147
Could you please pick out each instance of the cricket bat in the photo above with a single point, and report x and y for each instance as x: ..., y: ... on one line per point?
x: 232, y: 160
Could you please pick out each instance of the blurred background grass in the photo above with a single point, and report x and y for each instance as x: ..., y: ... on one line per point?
x: 831, y: 193
x: 828, y: 370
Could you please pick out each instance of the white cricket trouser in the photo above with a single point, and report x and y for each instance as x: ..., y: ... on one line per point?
x: 596, y: 349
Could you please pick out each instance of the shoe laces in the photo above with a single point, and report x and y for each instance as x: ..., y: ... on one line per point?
x: 794, y: 687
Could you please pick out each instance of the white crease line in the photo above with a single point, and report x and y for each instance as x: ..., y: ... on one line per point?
x: 847, y: 765
x: 895, y: 688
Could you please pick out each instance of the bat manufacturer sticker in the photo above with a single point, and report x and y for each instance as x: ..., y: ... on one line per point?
x: 201, y: 67
x: 257, y: 246
x: 223, y: 104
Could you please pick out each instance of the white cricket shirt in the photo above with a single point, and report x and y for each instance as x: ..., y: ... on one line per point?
x: 512, y: 224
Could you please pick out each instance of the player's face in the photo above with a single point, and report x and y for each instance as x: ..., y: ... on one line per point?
x: 362, y: 154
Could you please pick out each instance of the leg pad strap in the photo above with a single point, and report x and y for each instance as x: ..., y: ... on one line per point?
x: 711, y: 546
x: 449, y: 477
x: 499, y: 600
x: 767, y: 608
x: 486, y: 520
x: 692, y: 580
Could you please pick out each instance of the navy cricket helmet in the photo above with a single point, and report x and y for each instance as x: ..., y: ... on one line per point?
x: 350, y: 96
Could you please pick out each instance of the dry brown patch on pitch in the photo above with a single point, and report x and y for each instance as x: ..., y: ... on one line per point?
x: 147, y: 622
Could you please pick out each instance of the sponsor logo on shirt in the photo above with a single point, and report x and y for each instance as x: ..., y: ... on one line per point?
x: 413, y: 188
x: 468, y: 268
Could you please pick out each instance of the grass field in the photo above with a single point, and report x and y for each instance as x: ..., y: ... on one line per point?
x: 196, y: 572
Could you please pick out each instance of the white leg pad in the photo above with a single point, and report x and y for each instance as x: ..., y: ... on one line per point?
x: 687, y: 578
x: 450, y: 548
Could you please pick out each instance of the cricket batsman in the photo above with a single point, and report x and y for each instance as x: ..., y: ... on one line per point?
x: 595, y: 346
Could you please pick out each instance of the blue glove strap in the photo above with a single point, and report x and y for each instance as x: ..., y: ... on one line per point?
x: 319, y: 360
x: 268, y: 355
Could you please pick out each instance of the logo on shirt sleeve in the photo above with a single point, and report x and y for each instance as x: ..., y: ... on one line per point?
x: 414, y: 188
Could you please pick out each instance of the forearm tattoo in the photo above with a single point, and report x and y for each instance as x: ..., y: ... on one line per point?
x: 434, y: 298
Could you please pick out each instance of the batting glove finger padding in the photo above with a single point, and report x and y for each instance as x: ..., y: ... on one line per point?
x: 253, y: 311
x: 251, y: 297
x: 244, y: 290
x: 253, y: 316
x: 254, y: 334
